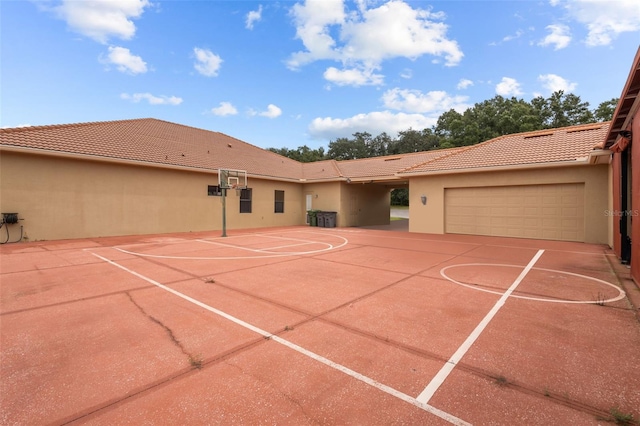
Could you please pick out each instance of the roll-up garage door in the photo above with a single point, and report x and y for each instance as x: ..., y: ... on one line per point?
x: 550, y: 212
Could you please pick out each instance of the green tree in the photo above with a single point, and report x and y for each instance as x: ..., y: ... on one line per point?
x: 400, y: 197
x: 304, y: 154
x: 349, y: 149
x: 605, y: 110
x: 567, y: 110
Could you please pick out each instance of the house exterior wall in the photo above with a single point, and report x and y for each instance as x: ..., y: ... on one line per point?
x: 610, y: 202
x: 430, y: 218
x: 633, y: 210
x: 326, y: 197
x: 365, y: 204
x: 62, y: 198
x: 616, y: 204
x: 635, y: 198
x: 356, y: 204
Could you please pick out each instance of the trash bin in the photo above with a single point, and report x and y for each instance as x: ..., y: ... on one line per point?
x: 330, y: 219
x: 312, y: 216
x: 321, y: 219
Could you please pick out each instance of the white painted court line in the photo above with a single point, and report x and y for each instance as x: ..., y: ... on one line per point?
x: 439, y: 378
x: 339, y: 367
x: 267, y: 249
x: 621, y: 293
x: 261, y: 253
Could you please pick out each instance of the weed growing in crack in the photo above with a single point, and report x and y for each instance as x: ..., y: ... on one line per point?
x: 288, y: 328
x: 209, y: 280
x: 501, y: 380
x: 195, y: 361
x: 621, y: 418
x: 546, y: 391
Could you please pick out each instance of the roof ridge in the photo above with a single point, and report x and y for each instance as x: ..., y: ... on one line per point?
x: 70, y: 125
x: 453, y: 152
x: 334, y: 163
x: 400, y: 154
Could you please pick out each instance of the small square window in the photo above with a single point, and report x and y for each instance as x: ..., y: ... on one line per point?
x: 214, y: 191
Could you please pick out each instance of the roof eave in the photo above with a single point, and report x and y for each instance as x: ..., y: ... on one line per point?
x: 113, y: 160
x: 98, y: 158
x: 579, y: 162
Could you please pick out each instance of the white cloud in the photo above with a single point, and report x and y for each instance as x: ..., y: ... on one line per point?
x: 406, y: 73
x: 464, y: 83
x: 604, y: 19
x: 124, y: 61
x: 153, y: 100
x: 554, y: 83
x: 271, y: 112
x: 559, y: 37
x: 353, y: 77
x: 518, y: 34
x: 207, y: 62
x: 225, y: 108
x: 252, y: 17
x: 102, y: 19
x: 373, y: 122
x: 416, y: 101
x: 508, y: 87
x: 355, y: 38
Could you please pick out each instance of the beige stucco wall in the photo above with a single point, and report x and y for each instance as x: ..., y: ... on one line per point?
x: 356, y: 204
x: 430, y: 218
x: 365, y: 204
x: 61, y: 198
x: 610, y: 203
x: 325, y: 196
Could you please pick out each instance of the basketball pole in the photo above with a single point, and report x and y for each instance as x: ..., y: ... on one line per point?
x: 224, y: 212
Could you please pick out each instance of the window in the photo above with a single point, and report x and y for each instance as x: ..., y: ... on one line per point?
x: 214, y: 191
x: 279, y: 206
x: 245, y: 200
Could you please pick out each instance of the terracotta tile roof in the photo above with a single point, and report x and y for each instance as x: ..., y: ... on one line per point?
x: 321, y: 170
x: 388, y: 166
x: 544, y: 147
x: 162, y: 143
x: 154, y: 141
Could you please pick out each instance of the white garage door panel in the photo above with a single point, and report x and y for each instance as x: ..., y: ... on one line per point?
x: 552, y: 212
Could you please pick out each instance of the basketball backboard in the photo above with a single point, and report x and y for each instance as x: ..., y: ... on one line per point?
x: 232, y: 179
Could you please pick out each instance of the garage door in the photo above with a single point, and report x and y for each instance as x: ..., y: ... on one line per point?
x: 550, y: 212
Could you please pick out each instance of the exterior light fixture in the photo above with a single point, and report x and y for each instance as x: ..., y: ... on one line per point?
x: 423, y: 199
x: 625, y: 134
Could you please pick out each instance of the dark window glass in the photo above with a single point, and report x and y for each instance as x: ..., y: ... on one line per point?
x: 245, y: 200
x: 214, y: 191
x: 279, y: 204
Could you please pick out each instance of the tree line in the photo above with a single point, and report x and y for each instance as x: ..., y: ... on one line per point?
x: 484, y: 121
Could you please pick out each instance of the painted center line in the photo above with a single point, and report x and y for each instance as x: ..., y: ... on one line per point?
x: 339, y: 367
x: 439, y: 378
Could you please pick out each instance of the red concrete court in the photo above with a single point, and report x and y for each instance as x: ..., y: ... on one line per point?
x: 305, y: 325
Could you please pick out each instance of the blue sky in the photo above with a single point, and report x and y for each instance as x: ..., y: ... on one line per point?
x: 286, y: 74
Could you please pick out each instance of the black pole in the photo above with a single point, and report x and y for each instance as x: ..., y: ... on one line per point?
x: 224, y: 212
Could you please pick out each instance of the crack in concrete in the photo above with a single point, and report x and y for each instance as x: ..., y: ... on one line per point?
x: 194, y: 361
x: 281, y: 392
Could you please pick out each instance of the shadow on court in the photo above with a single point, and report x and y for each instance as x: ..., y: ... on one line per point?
x: 304, y: 325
